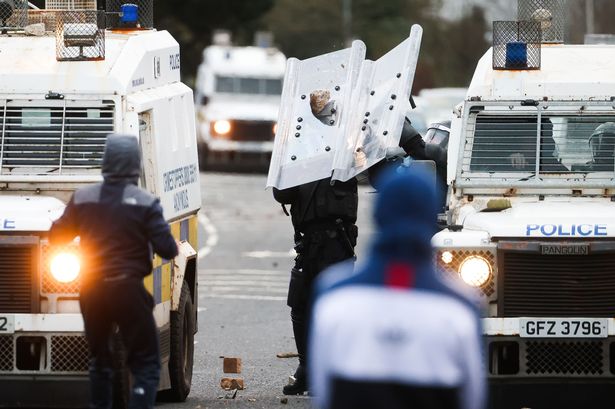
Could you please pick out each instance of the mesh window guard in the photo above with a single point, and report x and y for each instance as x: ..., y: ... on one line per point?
x: 516, y: 45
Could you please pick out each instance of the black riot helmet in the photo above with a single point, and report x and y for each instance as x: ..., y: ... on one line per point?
x: 602, y: 143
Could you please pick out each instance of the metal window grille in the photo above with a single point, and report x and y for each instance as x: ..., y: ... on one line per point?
x: 145, y: 14
x: 516, y: 45
x: 63, y: 138
x: 13, y: 14
x: 550, y: 14
x: 69, y: 353
x: 46, y: 17
x: 80, y: 35
x: 565, y: 358
x: 70, y: 4
x: 533, y: 148
x: 6, y: 353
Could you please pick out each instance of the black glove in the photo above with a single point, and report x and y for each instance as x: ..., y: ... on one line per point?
x: 411, y: 141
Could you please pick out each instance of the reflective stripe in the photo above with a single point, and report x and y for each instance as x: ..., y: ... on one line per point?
x: 159, y: 282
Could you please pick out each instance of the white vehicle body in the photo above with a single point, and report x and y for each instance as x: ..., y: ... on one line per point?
x: 542, y: 234
x: 241, y: 87
x: 54, y: 118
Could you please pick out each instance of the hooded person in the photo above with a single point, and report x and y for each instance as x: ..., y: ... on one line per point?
x: 119, y: 226
x: 393, y: 334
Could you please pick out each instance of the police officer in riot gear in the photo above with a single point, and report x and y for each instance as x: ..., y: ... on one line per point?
x: 324, y: 214
x: 119, y: 226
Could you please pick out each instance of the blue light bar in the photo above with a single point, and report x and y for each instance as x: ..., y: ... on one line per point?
x: 129, y: 14
x: 516, y: 55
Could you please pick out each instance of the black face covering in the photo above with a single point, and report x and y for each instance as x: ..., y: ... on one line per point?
x: 122, y: 159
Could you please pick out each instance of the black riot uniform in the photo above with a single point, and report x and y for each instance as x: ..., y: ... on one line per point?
x: 119, y: 225
x: 324, y: 217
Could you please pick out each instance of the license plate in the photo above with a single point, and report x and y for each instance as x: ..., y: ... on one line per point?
x: 7, y: 324
x: 563, y: 327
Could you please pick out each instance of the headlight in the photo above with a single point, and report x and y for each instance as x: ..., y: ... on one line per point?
x: 275, y: 128
x: 475, y: 271
x: 65, y: 267
x: 222, y: 127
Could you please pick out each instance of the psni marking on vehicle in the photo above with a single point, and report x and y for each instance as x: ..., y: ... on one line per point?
x: 7, y: 224
x: 562, y: 230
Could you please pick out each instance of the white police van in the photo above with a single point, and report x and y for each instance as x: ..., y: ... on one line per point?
x: 238, y: 92
x: 67, y: 82
x: 531, y: 210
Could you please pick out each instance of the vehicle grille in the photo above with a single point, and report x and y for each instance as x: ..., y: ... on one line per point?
x: 6, y: 353
x: 69, y: 353
x: 248, y: 131
x: 557, y: 286
x: 16, y: 263
x: 574, y: 358
x: 53, y: 138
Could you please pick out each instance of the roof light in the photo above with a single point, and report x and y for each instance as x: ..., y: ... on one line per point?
x: 516, y: 55
x: 129, y: 13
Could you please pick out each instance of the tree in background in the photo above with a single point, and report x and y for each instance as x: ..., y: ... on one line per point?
x: 192, y: 23
x: 450, y: 48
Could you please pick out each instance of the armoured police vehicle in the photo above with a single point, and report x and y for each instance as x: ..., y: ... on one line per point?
x: 531, y: 212
x: 67, y: 81
x: 238, y: 93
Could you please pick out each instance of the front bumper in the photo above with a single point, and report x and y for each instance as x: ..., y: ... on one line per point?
x: 511, y: 357
x: 46, y: 391
x: 226, y: 145
x: 41, y: 345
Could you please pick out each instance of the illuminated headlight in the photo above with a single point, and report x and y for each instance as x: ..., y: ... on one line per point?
x: 275, y: 128
x: 65, y: 267
x: 222, y: 127
x: 475, y: 271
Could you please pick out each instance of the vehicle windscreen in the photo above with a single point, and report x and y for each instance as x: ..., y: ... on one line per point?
x: 559, y: 144
x: 248, y: 85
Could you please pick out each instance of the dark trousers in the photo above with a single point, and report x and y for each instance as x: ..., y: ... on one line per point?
x: 127, y: 304
x: 321, y: 249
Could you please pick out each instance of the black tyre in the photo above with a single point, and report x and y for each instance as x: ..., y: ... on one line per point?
x: 182, y: 349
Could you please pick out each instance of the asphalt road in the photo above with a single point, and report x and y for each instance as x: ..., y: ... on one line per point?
x: 244, y: 267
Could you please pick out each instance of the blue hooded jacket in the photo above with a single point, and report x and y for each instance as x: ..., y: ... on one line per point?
x: 393, y: 333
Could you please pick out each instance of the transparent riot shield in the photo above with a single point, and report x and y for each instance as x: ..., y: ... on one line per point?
x: 304, y: 146
x: 379, y: 104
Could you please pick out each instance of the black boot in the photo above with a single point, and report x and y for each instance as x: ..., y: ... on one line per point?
x: 297, y: 385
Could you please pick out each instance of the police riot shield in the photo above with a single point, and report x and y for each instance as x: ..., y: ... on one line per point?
x: 379, y: 105
x: 304, y: 146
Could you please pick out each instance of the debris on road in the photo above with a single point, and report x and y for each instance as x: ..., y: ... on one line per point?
x: 232, y: 383
x: 287, y: 355
x: 284, y: 401
x: 232, y: 365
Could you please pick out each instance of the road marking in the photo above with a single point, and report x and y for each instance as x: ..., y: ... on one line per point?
x: 211, y: 234
x: 279, y: 290
x: 269, y: 254
x: 246, y: 297
x: 235, y: 272
x: 268, y: 283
